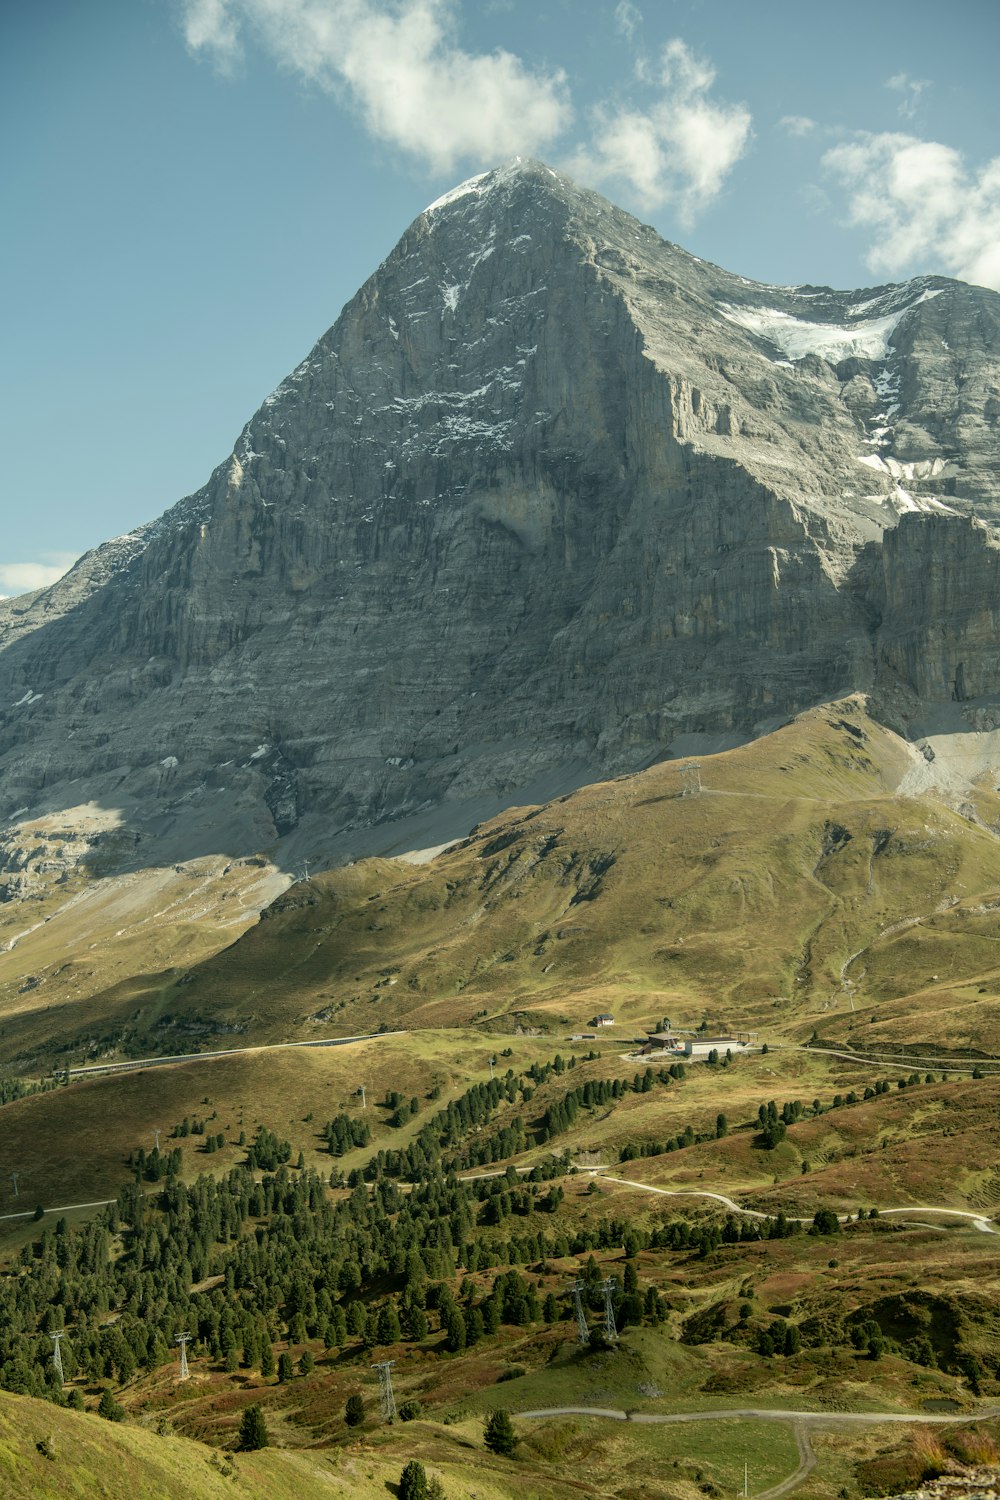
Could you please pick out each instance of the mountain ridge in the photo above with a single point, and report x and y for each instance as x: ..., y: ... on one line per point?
x: 535, y: 506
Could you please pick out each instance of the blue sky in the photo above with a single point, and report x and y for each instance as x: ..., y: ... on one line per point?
x: 193, y: 188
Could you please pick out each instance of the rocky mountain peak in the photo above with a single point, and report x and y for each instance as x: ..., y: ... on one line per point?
x: 551, y: 498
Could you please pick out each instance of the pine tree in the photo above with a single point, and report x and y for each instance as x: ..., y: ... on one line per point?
x: 413, y: 1481
x: 354, y: 1411
x: 498, y: 1433
x: 253, y: 1429
x: 109, y: 1407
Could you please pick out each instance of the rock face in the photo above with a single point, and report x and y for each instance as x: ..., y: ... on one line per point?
x: 549, y: 495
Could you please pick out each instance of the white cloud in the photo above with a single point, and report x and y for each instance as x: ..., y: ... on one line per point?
x: 927, y: 208
x: 680, y: 150
x: 402, y: 70
x: 22, y: 578
x: 910, y: 90
x: 797, y: 124
x: 628, y: 18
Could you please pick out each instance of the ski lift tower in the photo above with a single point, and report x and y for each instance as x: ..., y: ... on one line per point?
x: 582, y: 1331
x: 385, y: 1389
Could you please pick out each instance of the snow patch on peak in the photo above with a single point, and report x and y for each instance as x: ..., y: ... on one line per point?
x: 796, y: 337
x: 472, y: 185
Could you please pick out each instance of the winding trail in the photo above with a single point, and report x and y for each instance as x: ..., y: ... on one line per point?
x: 979, y: 1221
x: 801, y: 1422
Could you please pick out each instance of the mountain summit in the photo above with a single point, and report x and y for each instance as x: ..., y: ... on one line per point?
x: 551, y: 497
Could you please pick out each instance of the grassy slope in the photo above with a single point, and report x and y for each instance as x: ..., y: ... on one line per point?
x: 798, y: 889
x: 82, y: 934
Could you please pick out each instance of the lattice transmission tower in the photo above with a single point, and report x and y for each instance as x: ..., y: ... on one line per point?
x: 691, y: 779
x: 582, y: 1331
x: 57, y: 1356
x: 385, y: 1389
x: 183, y: 1339
x: 610, y: 1327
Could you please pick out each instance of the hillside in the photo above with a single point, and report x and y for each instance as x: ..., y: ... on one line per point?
x: 820, y: 880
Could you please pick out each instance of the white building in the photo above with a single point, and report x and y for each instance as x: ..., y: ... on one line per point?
x: 701, y: 1046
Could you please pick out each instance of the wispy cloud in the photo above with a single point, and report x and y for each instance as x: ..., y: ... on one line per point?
x: 399, y: 65
x: 677, y: 151
x: 909, y: 90
x: 927, y: 208
x: 400, y: 68
x: 628, y: 19
x: 797, y: 124
x: 22, y: 578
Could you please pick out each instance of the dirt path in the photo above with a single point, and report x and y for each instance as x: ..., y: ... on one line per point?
x: 801, y: 1422
x: 807, y: 1462
x: 979, y: 1220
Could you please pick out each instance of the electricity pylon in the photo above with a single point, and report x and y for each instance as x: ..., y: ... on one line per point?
x: 582, y: 1331
x: 610, y: 1327
x: 385, y: 1389
x: 691, y: 779
x: 57, y: 1356
x: 184, y: 1339
x: 156, y: 1140
x: 13, y: 1177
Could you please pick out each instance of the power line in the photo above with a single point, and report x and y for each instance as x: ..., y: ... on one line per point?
x: 385, y: 1389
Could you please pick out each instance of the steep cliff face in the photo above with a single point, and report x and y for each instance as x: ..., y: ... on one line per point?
x: 550, y: 493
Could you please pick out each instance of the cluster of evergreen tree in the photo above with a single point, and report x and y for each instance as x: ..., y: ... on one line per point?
x: 154, y: 1165
x: 344, y: 1133
x: 276, y: 1260
x: 21, y: 1088
x: 267, y: 1152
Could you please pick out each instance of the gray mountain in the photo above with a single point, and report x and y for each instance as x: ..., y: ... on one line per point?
x: 551, y: 498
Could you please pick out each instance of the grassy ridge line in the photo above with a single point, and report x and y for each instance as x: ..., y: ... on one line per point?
x: 628, y: 897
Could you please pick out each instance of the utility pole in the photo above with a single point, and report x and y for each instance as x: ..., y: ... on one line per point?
x: 691, y: 779
x: 746, y: 1480
x: 361, y: 1091
x: 184, y: 1339
x: 610, y: 1328
x: 582, y: 1331
x: 13, y: 1178
x: 385, y: 1389
x: 57, y: 1357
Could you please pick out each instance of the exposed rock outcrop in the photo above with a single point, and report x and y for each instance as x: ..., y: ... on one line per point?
x: 550, y: 494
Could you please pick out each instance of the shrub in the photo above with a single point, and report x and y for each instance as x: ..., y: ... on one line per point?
x: 354, y: 1411
x: 409, y: 1411
x: 930, y: 1453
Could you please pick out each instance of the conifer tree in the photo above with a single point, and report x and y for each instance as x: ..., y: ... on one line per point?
x: 253, y: 1430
